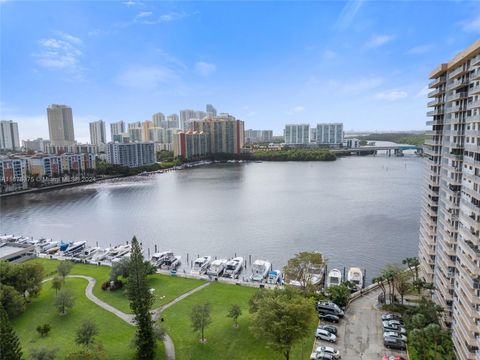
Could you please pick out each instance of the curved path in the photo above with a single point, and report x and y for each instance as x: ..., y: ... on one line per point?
x: 129, y: 318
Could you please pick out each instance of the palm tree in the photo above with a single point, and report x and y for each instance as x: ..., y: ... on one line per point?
x: 413, y: 264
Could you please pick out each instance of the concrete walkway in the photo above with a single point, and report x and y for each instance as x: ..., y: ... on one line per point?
x: 129, y: 318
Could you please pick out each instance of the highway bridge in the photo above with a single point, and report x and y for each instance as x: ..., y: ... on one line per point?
x: 396, y: 150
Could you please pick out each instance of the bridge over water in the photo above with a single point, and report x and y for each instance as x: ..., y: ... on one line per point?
x: 396, y: 150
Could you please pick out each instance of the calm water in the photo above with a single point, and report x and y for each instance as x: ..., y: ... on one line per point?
x: 357, y: 211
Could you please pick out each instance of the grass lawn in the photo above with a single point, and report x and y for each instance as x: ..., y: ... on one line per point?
x: 62, y: 335
x: 223, y: 341
x: 166, y: 287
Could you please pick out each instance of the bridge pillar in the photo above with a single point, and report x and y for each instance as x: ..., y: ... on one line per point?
x: 389, y: 152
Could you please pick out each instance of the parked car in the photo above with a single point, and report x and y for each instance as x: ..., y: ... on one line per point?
x: 393, y: 343
x: 392, y: 327
x: 329, y: 350
x: 321, y: 356
x: 321, y: 334
x: 329, y: 317
x: 328, y: 307
x: 395, y: 322
x: 393, y: 357
x: 395, y: 334
x: 330, y: 328
x: 386, y: 317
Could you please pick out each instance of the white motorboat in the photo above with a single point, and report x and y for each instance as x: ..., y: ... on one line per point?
x: 275, y: 277
x: 6, y: 237
x: 233, y: 267
x: 119, y: 251
x: 334, y: 277
x: 171, y: 262
x: 355, y: 276
x: 158, y: 258
x: 75, y: 248
x: 90, y: 252
x: 260, y: 270
x: 48, y: 245
x: 217, y: 267
x: 201, y: 265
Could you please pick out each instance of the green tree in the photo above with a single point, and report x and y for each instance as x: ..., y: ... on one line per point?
x: 120, y: 268
x: 43, y: 330
x: 234, y: 312
x: 413, y: 264
x: 283, y: 317
x: 57, y: 283
x: 64, y: 300
x: 381, y: 283
x: 29, y: 278
x: 304, y: 268
x: 200, y: 317
x: 339, y: 294
x: 43, y: 353
x: 9, y: 343
x: 11, y: 301
x: 390, y: 273
x: 402, y: 284
x: 140, y: 302
x: 86, y: 332
x: 64, y: 268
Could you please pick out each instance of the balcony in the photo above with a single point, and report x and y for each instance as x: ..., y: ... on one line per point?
x: 455, y: 108
x: 475, y: 61
x: 457, y: 72
x: 458, y: 95
x: 473, y: 104
x: 455, y: 84
x: 436, y: 92
x: 435, y: 112
x: 474, y: 90
x: 438, y: 101
x: 436, y: 82
x: 475, y: 75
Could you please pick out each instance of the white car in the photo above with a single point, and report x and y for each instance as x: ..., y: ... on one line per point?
x: 395, y: 334
x: 387, y: 327
x: 328, y: 350
x: 321, y: 356
x: 325, y: 335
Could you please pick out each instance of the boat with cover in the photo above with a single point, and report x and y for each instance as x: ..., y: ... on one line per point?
x: 260, y: 269
x: 217, y: 267
x: 355, y: 276
x: 74, y: 248
x: 334, y: 277
x: 275, y: 277
x: 157, y: 259
x: 201, y: 265
x: 171, y: 262
x: 233, y: 267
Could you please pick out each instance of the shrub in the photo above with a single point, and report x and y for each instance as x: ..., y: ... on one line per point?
x: 43, y: 330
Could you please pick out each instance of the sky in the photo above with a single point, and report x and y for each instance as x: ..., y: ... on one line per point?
x: 363, y: 63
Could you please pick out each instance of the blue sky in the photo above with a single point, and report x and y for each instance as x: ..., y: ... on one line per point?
x: 362, y: 63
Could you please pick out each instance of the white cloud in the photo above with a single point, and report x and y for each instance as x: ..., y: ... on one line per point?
x: 472, y: 25
x: 144, y: 14
x: 378, y: 40
x: 204, y: 69
x: 329, y: 54
x: 348, y: 14
x: 130, y: 3
x: 147, y: 78
x: 61, y: 53
x: 391, y: 95
x: 355, y: 85
x: 298, y: 109
x: 420, y: 49
x: 148, y: 18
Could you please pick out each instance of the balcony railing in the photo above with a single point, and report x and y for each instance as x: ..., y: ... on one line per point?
x: 475, y: 61
x: 437, y: 81
x: 473, y: 104
x: 474, y: 90
x: 456, y: 72
x: 458, y: 95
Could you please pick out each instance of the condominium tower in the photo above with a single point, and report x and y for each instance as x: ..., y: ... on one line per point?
x: 297, y: 134
x: 329, y: 134
x: 9, y: 139
x: 449, y: 250
x: 117, y: 128
x: 98, y: 134
x: 60, y: 125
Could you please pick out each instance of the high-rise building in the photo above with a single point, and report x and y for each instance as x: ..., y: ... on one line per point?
x: 211, y: 111
x: 116, y: 129
x: 60, y: 125
x: 297, y: 134
x: 98, y: 134
x: 9, y: 139
x: 449, y: 250
x: 186, y: 115
x: 131, y: 154
x: 157, y: 134
x: 158, y: 119
x: 190, y: 144
x: 313, y: 135
x: 200, y: 115
x: 135, y: 133
x: 173, y: 121
x: 330, y: 134
x: 258, y: 136
x: 146, y: 126
x: 36, y: 145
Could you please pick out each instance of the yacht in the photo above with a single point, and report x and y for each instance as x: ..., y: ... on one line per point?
x: 200, y: 265
x: 171, y: 262
x: 48, y: 245
x: 334, y: 277
x: 233, y: 267
x: 90, y: 252
x: 355, y: 276
x: 119, y: 251
x: 275, y: 277
x: 158, y: 258
x: 260, y: 269
x: 100, y: 255
x: 216, y: 267
x: 75, y: 248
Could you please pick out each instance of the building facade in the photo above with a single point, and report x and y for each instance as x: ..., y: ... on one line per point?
x: 117, y: 128
x: 211, y: 111
x: 39, y: 145
x: 43, y: 165
x: 186, y: 115
x: 330, y: 134
x: 449, y: 249
x: 258, y: 136
x: 60, y: 125
x: 9, y: 139
x: 13, y: 174
x: 173, y: 121
x: 191, y: 145
x: 297, y: 134
x: 158, y: 119
x: 98, y: 134
x: 133, y: 154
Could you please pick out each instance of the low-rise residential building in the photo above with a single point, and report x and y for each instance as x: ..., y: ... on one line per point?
x: 13, y: 174
x: 72, y: 149
x: 191, y: 145
x: 132, y: 154
x: 39, y: 145
x: 48, y: 165
x: 330, y: 134
x: 297, y: 134
x: 351, y: 143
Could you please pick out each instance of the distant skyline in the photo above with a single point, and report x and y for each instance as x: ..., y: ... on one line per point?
x: 362, y: 63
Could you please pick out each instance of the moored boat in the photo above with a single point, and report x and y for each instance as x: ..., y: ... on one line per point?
x: 233, y: 267
x: 217, y: 267
x: 334, y: 277
x: 275, y: 277
x: 260, y: 269
x: 355, y: 276
x: 201, y: 265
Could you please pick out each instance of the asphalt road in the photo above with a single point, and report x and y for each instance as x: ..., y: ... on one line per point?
x: 360, y: 332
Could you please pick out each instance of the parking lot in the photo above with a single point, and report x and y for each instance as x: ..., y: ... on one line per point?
x: 360, y: 332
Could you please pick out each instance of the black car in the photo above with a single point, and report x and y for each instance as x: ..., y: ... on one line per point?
x: 330, y: 328
x: 393, y: 343
x: 329, y: 317
x: 388, y: 317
